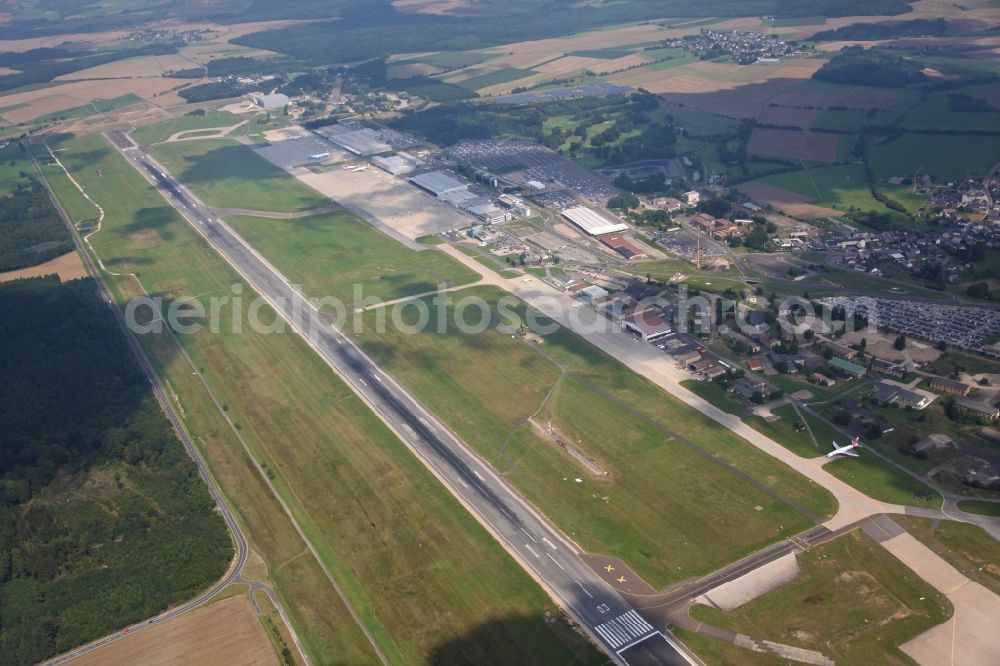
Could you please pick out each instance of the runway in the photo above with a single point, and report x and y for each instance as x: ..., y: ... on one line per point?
x: 540, y: 548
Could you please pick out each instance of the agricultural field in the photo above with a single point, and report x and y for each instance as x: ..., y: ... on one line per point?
x: 841, y: 187
x: 494, y: 78
x: 225, y: 631
x: 854, y: 602
x: 330, y: 254
x: 345, y: 478
x: 226, y: 174
x: 162, y: 131
x: 565, y: 390
x: 787, y: 144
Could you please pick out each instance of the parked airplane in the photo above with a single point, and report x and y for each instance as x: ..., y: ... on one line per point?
x: 319, y: 156
x: 845, y: 450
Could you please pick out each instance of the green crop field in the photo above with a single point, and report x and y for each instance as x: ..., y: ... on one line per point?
x: 707, y: 514
x: 162, y: 131
x: 227, y: 174
x: 854, y: 602
x: 944, y: 156
x: 496, y: 77
x: 427, y: 580
x: 330, y: 254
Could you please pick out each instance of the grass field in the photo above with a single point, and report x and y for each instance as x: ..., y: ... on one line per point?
x: 13, y: 167
x: 966, y: 547
x: 881, y: 481
x: 946, y: 157
x: 935, y: 113
x: 841, y: 187
x: 164, y: 130
x: 854, y: 602
x: 496, y: 77
x: 718, y: 653
x: 419, y: 570
x: 798, y: 442
x: 980, y: 507
x: 330, y: 254
x: 227, y: 174
x: 714, y: 394
x: 707, y: 515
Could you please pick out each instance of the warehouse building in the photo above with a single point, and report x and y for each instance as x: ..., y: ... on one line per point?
x: 622, y: 246
x: 270, y: 102
x: 398, y: 164
x: 439, y: 183
x: 592, y: 222
x: 358, y: 140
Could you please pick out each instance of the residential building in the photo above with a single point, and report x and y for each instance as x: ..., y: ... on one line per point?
x: 950, y: 386
x: 846, y: 368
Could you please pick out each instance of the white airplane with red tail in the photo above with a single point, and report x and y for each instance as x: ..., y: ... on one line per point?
x: 845, y: 450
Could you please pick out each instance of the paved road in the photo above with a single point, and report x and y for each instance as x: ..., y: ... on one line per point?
x: 239, y: 539
x: 542, y: 549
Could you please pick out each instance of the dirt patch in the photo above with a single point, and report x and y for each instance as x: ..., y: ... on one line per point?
x: 226, y: 632
x: 790, y: 203
x: 67, y: 267
x: 53, y: 99
x: 140, y: 240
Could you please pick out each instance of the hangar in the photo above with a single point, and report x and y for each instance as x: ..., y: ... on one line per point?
x: 592, y: 222
x: 438, y: 183
x: 361, y: 141
x: 650, y: 325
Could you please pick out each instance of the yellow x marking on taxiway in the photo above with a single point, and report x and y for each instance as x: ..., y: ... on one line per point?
x: 609, y: 568
x: 622, y: 579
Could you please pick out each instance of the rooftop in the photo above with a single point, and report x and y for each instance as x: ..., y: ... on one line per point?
x: 438, y: 182
x: 593, y: 222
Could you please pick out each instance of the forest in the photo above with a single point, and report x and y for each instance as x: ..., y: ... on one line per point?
x: 31, y: 231
x: 104, y: 520
x: 856, y: 66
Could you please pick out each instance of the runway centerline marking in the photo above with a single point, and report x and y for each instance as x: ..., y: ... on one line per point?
x: 556, y: 561
x: 585, y: 590
x: 527, y: 534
